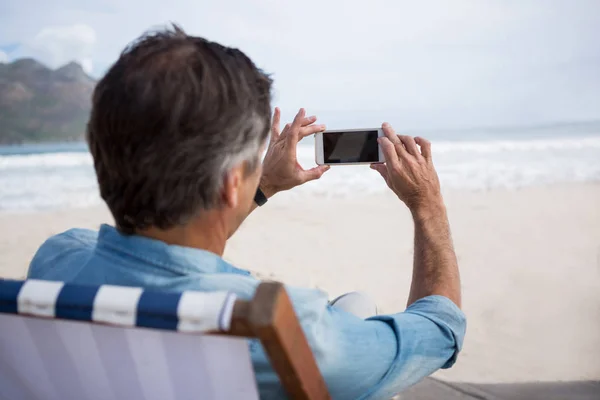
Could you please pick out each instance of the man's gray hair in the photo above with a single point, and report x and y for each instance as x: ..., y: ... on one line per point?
x: 169, y: 120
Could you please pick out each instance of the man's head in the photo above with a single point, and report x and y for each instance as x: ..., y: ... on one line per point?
x: 177, y: 128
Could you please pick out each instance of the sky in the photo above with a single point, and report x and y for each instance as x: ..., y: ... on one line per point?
x: 417, y: 64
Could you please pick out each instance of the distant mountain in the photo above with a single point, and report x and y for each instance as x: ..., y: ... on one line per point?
x: 40, y: 104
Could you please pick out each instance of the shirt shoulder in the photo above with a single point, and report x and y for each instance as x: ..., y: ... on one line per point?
x: 62, y: 255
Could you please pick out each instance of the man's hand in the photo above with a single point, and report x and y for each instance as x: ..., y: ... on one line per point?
x: 408, y: 171
x: 281, y: 170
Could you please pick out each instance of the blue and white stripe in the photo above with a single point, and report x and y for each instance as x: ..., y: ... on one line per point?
x: 119, y: 305
x: 63, y: 341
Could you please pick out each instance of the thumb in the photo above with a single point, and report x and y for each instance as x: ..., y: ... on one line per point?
x: 382, y: 169
x: 314, y: 173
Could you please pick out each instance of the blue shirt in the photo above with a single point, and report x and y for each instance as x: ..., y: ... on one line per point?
x: 359, y: 359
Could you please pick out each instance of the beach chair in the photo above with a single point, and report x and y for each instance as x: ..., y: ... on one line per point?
x: 65, y: 341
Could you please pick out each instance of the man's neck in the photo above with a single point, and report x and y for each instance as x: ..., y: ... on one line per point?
x: 200, y: 234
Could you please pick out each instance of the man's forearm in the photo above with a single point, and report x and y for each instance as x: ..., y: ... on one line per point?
x: 435, y: 269
x: 267, y: 190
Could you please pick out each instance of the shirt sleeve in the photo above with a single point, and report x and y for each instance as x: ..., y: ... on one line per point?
x: 429, y: 335
x: 379, y: 357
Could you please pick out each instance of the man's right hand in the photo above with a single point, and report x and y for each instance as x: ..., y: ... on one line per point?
x: 408, y: 170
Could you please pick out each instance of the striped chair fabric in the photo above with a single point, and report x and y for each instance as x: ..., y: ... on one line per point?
x: 65, y: 341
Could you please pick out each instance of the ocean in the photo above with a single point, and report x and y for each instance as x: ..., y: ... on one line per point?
x: 58, y: 176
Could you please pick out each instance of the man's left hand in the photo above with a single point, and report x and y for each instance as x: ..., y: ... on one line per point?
x: 281, y: 170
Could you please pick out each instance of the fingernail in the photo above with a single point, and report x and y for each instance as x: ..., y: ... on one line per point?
x: 385, y: 125
x: 313, y: 117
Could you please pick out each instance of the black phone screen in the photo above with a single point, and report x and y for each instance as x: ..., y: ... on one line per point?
x: 350, y: 147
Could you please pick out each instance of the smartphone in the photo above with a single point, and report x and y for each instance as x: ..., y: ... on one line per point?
x: 348, y: 147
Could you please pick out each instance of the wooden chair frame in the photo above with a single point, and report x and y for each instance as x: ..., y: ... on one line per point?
x: 270, y: 317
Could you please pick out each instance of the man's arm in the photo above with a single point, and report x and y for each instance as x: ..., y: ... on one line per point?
x: 380, y: 356
x: 435, y: 269
x: 384, y: 354
x: 410, y: 173
x: 267, y: 191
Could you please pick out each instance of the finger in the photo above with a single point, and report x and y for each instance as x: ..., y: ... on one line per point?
x: 410, y: 145
x: 389, y: 133
x: 308, y: 120
x: 298, y: 119
x: 382, y: 169
x: 286, y: 129
x: 425, y: 147
x: 311, y: 130
x: 294, y: 129
x: 389, y: 152
x: 275, y: 124
x: 314, y: 173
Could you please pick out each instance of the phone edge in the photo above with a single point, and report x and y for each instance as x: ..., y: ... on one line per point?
x: 319, y: 140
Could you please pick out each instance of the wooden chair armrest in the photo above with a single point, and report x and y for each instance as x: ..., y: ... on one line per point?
x: 271, y: 318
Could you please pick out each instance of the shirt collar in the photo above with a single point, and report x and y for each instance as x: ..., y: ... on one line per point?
x: 179, y: 259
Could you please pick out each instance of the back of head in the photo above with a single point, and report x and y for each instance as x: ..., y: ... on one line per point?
x: 169, y: 119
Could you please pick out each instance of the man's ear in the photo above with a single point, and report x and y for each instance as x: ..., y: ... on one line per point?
x: 231, y: 186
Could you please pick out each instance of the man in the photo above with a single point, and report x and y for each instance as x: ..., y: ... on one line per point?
x: 177, y: 129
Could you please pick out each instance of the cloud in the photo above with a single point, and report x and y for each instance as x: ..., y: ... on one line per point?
x: 58, y: 45
x: 3, y: 57
x: 416, y: 64
x: 87, y: 64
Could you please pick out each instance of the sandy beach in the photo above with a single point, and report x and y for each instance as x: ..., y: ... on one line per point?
x: 529, y: 259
